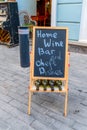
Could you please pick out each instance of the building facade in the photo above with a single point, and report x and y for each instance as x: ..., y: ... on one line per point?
x: 69, y: 13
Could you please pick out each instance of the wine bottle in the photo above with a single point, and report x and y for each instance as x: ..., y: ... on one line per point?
x: 59, y: 84
x: 52, y: 83
x: 45, y: 83
x: 37, y: 84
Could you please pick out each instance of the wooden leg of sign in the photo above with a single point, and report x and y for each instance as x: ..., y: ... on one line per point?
x: 66, y: 102
x: 29, y: 103
x: 66, y: 86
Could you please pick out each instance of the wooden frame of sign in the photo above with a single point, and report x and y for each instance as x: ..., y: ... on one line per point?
x: 49, y: 59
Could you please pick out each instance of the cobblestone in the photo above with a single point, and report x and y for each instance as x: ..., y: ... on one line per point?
x: 46, y: 108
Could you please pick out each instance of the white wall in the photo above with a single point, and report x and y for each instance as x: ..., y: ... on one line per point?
x: 53, y: 12
x: 83, y: 26
x: 27, y: 5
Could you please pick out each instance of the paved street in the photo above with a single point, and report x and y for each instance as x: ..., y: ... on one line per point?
x: 47, y: 108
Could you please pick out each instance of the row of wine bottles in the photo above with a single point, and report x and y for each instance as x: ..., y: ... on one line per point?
x: 51, y: 84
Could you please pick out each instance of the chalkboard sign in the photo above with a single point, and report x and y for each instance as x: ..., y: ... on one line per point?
x: 49, y: 60
x: 49, y: 51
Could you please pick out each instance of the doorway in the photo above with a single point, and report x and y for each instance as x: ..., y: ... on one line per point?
x: 43, y: 12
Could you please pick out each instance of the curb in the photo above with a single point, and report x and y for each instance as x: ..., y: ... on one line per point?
x: 78, y: 47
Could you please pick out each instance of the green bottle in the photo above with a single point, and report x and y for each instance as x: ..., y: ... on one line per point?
x: 45, y: 83
x: 52, y: 83
x: 59, y: 84
x: 37, y: 84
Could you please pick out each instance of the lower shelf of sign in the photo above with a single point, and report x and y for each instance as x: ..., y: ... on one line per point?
x: 33, y: 89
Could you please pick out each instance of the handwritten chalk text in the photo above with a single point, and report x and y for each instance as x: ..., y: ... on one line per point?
x: 40, y: 34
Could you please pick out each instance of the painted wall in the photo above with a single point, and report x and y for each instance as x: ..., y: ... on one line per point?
x: 69, y: 15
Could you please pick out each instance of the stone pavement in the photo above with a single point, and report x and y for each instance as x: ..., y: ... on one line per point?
x: 47, y: 108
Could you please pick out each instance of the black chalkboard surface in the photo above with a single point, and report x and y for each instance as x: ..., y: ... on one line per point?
x: 49, y: 52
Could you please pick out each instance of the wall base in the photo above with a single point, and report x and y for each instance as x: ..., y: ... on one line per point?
x: 78, y: 47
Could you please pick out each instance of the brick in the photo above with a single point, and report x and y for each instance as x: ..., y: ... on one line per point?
x: 43, y: 118
x: 60, y: 126
x: 39, y: 126
x: 16, y: 124
x: 22, y: 107
x: 5, y: 98
x: 78, y: 126
x: 59, y: 117
x: 4, y: 125
x: 18, y: 97
x: 4, y: 115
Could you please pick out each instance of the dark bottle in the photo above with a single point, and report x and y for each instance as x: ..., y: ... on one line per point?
x: 52, y: 83
x: 45, y: 83
x: 37, y: 84
x: 59, y: 84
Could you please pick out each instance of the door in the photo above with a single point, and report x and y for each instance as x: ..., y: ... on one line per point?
x: 44, y: 12
x: 69, y: 15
